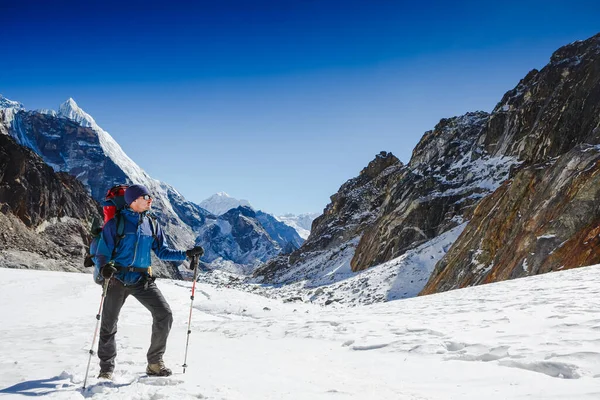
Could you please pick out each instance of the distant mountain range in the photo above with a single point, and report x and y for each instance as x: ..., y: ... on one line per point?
x: 301, y: 223
x: 221, y: 202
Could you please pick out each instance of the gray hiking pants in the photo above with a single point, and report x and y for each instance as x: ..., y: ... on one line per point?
x: 146, y: 293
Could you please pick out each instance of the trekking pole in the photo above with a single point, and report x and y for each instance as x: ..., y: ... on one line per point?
x: 98, y: 316
x: 194, y: 262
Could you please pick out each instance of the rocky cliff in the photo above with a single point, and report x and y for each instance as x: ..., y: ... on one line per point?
x: 44, y: 216
x: 516, y: 186
x: 546, y: 217
x: 391, y: 208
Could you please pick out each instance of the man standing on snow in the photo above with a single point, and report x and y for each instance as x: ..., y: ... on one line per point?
x: 127, y: 268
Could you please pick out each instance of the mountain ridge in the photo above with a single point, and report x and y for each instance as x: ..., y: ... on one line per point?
x: 474, y: 175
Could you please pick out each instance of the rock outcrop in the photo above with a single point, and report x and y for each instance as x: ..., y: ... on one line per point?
x: 44, y: 216
x: 391, y: 208
x: 546, y: 217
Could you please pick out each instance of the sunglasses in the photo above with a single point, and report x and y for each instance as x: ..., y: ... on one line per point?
x: 146, y: 197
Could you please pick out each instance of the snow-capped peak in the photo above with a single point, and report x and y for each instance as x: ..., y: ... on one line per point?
x: 8, y: 109
x: 219, y: 203
x: 47, y: 111
x: 69, y: 109
x: 7, y: 103
x: 301, y: 223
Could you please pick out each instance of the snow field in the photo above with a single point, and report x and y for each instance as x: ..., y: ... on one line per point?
x: 533, y: 338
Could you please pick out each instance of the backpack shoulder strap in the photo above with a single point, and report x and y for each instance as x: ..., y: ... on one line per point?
x: 153, y: 225
x: 120, y: 224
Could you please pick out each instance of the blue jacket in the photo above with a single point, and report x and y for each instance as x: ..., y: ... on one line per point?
x: 134, y: 248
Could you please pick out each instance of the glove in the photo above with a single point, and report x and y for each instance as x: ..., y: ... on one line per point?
x: 108, y: 270
x: 196, y: 251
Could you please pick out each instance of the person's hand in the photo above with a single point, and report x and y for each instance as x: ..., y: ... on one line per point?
x: 108, y: 270
x: 196, y: 251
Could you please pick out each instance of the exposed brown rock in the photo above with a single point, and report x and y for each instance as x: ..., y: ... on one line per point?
x: 45, y: 216
x: 544, y: 219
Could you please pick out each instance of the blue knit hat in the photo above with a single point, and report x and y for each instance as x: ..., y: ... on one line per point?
x: 133, y: 192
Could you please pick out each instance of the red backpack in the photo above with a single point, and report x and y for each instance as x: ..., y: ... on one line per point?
x: 114, y: 202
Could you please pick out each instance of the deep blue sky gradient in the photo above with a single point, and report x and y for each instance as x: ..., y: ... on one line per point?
x: 278, y: 102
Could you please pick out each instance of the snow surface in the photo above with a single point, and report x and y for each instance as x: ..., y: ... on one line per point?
x: 69, y: 109
x: 7, y: 103
x: 531, y: 338
x: 8, y: 109
x: 319, y: 280
x: 220, y: 203
x: 301, y: 223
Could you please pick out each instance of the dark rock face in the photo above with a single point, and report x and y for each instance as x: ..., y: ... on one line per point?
x: 552, y: 110
x: 67, y: 146
x: 238, y: 236
x: 391, y: 208
x: 546, y: 217
x: 342, y: 219
x: 447, y: 175
x: 351, y: 210
x: 45, y: 215
x: 32, y: 191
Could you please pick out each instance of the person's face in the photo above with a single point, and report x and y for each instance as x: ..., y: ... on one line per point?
x: 142, y: 203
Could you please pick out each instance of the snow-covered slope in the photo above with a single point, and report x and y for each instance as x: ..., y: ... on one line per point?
x: 301, y: 223
x: 221, y: 202
x: 532, y: 338
x: 69, y: 109
x: 8, y: 109
x: 324, y: 283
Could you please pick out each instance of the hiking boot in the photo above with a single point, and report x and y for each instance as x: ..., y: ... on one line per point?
x: 105, y: 375
x: 158, y: 369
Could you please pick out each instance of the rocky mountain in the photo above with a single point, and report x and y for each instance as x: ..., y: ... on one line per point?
x: 44, y: 216
x: 546, y: 217
x: 391, y: 207
x: 220, y: 203
x: 70, y: 140
x: 246, y: 237
x: 286, y: 236
x: 497, y: 195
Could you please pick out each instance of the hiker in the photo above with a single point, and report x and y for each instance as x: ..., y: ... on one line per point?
x: 127, y: 267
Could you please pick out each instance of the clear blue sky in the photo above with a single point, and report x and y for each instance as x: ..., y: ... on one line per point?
x: 278, y: 102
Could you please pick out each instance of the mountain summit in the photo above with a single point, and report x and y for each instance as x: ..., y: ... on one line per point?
x: 220, y: 203
x: 7, y: 103
x: 69, y: 109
